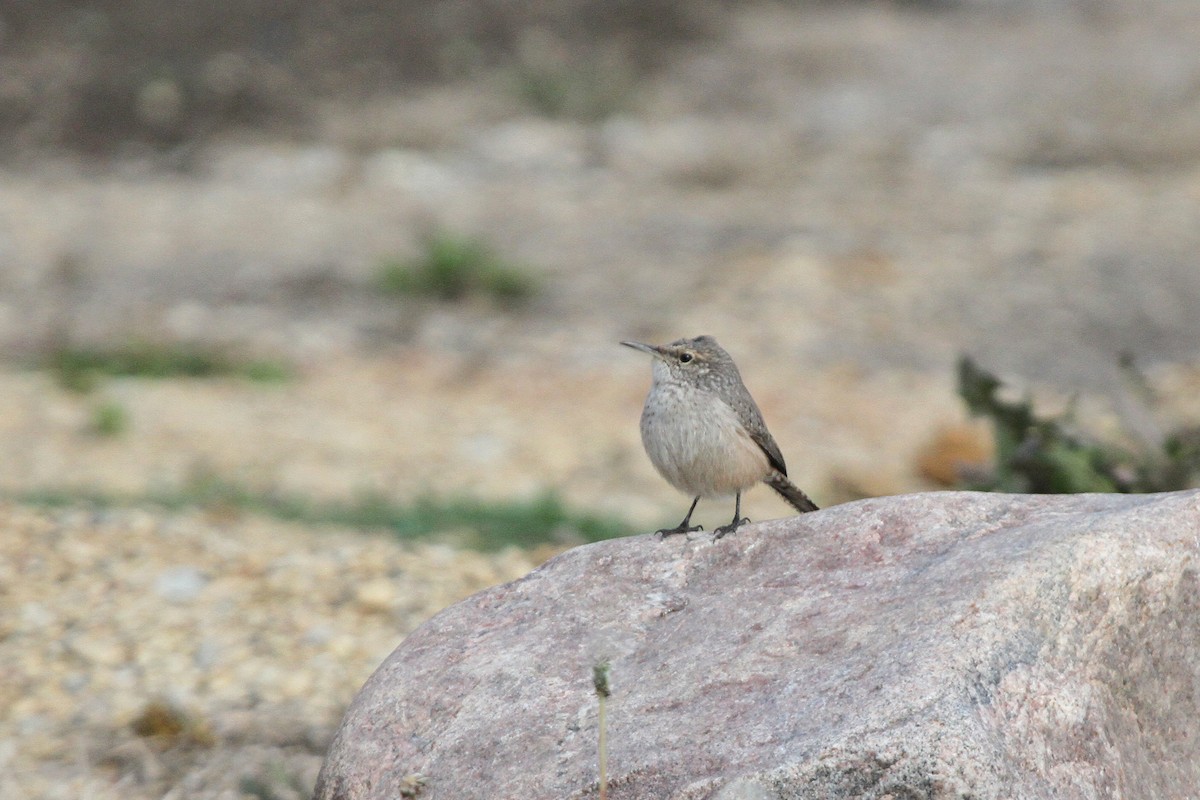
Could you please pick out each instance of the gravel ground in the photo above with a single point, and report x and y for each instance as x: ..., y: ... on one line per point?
x: 256, y: 633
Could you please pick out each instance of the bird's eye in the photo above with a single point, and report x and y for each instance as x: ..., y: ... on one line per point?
x: 685, y: 358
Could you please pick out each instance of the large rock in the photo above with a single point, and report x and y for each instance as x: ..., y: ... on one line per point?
x: 930, y: 646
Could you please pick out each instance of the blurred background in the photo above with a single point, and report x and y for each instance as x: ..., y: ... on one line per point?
x: 309, y: 313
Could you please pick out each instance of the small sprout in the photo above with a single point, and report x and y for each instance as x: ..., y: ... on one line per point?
x: 412, y: 784
x: 600, y: 678
x: 560, y: 81
x: 600, y: 683
x: 454, y: 268
x: 109, y: 419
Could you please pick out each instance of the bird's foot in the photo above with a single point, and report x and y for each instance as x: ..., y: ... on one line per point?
x: 680, y: 528
x: 730, y: 528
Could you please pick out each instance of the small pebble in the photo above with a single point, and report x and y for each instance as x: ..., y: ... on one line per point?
x: 377, y: 595
x: 180, y: 584
x: 97, y: 650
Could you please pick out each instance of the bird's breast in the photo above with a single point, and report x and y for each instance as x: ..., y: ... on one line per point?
x: 697, y: 442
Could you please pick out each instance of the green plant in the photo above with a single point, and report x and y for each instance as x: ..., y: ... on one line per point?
x: 109, y: 419
x: 477, y: 523
x: 603, y: 690
x: 81, y: 369
x: 455, y: 267
x: 556, y: 79
x: 1044, y: 455
x: 581, y: 92
x: 265, y: 371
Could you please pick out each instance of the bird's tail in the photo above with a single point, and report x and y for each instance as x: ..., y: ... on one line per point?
x: 790, y: 492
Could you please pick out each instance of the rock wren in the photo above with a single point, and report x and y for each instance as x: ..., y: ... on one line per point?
x: 704, y: 432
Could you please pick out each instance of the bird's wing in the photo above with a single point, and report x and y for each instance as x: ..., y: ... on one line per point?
x: 763, y: 438
x: 748, y: 410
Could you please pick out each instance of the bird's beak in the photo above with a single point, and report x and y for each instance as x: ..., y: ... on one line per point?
x: 653, y: 350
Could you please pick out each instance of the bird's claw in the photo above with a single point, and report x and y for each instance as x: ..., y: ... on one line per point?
x: 730, y: 528
x: 663, y: 533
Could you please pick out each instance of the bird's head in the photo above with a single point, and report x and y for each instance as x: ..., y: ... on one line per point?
x: 694, y: 361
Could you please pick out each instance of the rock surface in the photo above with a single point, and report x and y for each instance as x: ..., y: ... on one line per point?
x: 933, y: 646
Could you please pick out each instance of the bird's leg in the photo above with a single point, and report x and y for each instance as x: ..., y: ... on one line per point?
x: 685, y: 526
x: 738, y: 520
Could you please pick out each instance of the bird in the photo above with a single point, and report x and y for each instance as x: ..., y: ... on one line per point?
x: 704, y: 433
